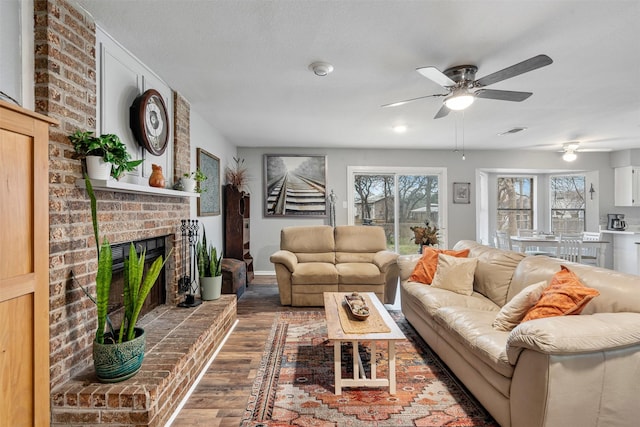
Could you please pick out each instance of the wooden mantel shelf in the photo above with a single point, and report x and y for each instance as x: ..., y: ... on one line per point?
x: 125, y: 187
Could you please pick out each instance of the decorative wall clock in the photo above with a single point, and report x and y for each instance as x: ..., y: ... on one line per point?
x: 149, y: 121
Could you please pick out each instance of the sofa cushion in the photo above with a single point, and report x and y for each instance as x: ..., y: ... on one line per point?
x: 472, y: 328
x: 455, y: 274
x: 427, y: 265
x: 315, y: 273
x: 406, y: 265
x: 494, y: 271
x: 359, y: 273
x: 565, y: 295
x: 358, y: 243
x: 512, y: 313
x: 431, y: 299
x: 309, y: 243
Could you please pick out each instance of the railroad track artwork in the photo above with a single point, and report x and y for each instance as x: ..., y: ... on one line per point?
x: 296, y: 190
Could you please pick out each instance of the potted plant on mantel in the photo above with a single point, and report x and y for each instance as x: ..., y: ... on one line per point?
x: 118, y: 353
x: 191, y: 181
x: 209, y: 269
x: 105, y: 155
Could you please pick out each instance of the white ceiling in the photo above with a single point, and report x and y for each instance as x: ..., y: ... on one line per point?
x: 242, y: 65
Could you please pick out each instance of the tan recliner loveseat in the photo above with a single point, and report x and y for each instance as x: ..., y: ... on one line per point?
x: 317, y: 259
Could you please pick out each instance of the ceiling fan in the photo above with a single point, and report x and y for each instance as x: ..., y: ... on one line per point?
x: 463, y: 88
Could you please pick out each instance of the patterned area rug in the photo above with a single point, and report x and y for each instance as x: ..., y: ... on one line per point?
x: 294, y: 385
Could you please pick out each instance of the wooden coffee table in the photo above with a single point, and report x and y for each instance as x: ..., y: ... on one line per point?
x: 338, y: 336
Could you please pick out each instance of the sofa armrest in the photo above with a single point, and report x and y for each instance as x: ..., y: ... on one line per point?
x: 575, y: 334
x: 286, y: 258
x: 384, y: 259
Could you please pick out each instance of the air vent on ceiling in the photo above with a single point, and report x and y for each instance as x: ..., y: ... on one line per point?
x: 511, y: 131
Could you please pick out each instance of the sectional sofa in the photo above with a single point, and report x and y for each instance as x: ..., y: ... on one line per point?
x: 572, y: 370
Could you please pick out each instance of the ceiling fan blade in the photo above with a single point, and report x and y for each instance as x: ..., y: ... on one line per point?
x: 502, y: 95
x: 435, y: 75
x: 515, y: 70
x: 395, y: 104
x: 443, y: 111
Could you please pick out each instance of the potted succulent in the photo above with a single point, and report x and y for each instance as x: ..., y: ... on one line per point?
x: 118, y: 353
x: 209, y: 269
x: 105, y: 155
x: 191, y: 181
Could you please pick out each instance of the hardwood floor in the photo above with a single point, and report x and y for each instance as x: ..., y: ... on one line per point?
x: 220, y: 398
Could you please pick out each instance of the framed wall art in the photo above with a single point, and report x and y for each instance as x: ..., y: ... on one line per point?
x: 295, y: 186
x: 209, y: 200
x: 461, y: 192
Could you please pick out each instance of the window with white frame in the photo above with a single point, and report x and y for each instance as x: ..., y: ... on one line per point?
x: 567, y: 203
x: 515, y: 204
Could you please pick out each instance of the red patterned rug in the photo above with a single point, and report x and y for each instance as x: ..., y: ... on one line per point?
x: 294, y: 384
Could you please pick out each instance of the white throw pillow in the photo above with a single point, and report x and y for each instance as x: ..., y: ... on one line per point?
x: 455, y: 274
x: 512, y: 313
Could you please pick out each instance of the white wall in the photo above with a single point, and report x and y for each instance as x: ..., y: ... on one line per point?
x: 16, y: 51
x: 265, y: 232
x: 205, y: 136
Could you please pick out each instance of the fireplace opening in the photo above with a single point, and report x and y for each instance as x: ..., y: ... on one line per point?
x: 155, y: 248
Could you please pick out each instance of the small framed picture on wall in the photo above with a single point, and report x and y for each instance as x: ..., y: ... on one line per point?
x: 462, y: 192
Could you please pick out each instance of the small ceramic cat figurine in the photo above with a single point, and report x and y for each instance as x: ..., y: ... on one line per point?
x: 156, y: 179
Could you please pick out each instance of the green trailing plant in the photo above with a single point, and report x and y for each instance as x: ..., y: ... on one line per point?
x: 137, y: 285
x: 209, y: 263
x: 107, y: 146
x: 198, y: 176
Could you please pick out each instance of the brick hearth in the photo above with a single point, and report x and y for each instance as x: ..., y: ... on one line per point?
x: 180, y: 341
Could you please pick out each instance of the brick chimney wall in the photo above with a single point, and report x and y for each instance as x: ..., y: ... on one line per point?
x: 65, y: 89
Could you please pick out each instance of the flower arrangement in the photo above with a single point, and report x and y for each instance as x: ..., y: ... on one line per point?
x: 237, y: 175
x: 427, y: 235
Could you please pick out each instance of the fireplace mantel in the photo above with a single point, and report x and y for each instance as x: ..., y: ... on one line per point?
x: 125, y: 187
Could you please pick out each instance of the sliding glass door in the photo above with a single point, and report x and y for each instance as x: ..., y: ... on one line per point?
x: 398, y: 200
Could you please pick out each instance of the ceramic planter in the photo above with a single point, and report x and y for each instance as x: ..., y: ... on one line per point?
x: 98, y: 168
x: 210, y: 287
x: 188, y: 184
x: 115, y: 362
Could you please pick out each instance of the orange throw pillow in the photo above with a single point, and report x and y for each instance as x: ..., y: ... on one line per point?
x: 426, y: 267
x: 565, y: 295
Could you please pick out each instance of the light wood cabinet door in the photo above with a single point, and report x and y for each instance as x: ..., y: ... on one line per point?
x: 24, y: 272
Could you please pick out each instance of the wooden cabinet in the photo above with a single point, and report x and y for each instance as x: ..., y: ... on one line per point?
x: 24, y: 267
x: 237, y: 228
x: 627, y: 186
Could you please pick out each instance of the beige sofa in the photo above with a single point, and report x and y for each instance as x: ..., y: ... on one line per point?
x: 577, y: 370
x: 317, y: 259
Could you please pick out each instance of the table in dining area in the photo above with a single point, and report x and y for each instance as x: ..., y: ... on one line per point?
x: 379, y: 328
x: 550, y: 241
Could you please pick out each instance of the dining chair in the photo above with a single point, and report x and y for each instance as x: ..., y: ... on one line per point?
x: 570, y: 248
x: 502, y: 240
x: 590, y: 253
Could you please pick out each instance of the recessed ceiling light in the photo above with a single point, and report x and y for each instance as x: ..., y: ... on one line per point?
x: 399, y: 128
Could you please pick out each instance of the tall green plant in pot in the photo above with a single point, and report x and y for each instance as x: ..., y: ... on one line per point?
x: 118, y: 353
x: 209, y: 269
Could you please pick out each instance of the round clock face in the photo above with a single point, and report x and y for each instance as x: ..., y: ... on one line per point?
x: 150, y: 122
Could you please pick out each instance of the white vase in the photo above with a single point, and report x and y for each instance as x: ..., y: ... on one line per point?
x: 188, y: 184
x: 210, y: 288
x: 98, y: 168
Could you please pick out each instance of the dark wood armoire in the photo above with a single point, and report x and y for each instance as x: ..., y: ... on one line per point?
x: 237, y: 227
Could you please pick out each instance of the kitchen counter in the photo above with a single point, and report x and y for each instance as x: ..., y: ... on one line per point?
x: 626, y: 249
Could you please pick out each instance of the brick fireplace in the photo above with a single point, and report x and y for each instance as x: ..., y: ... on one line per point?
x: 65, y: 89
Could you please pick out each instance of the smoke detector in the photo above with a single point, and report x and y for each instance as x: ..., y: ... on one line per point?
x: 321, y: 69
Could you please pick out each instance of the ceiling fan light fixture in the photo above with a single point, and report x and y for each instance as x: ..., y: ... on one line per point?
x: 569, y: 156
x: 459, y: 100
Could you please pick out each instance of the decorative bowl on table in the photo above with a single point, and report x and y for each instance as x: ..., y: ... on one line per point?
x: 357, y: 306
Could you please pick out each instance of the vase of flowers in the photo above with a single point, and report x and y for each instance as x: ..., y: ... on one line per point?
x: 427, y: 235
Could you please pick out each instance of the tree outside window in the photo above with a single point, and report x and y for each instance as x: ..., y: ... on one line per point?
x: 515, y: 201
x: 567, y: 204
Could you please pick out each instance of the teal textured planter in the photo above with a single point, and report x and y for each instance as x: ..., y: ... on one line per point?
x: 115, y: 362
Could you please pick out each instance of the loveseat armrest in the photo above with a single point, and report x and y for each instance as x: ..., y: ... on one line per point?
x: 286, y: 258
x: 385, y: 259
x: 575, y: 334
